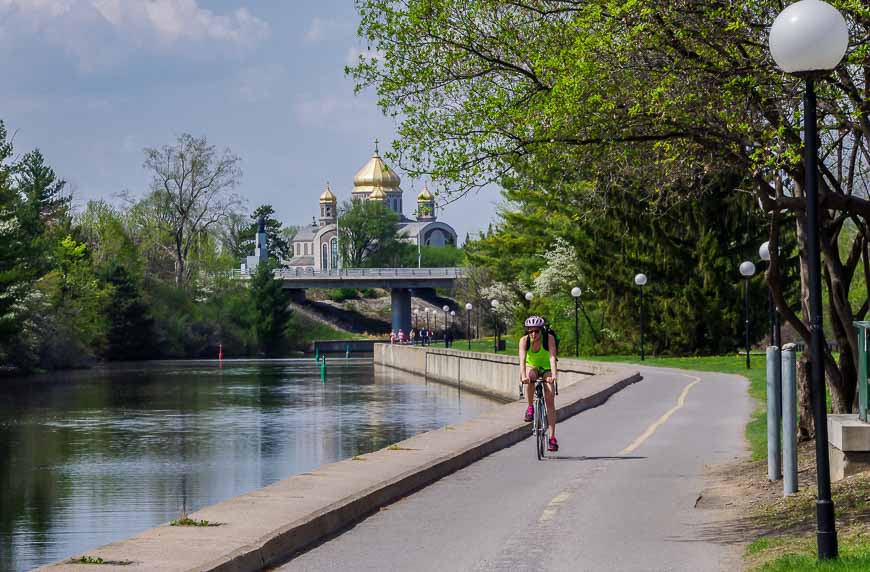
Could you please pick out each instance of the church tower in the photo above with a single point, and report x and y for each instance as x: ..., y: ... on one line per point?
x: 425, y: 205
x: 376, y: 179
x: 328, y: 207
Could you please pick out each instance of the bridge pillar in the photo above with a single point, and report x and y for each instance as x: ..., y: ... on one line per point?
x: 401, y: 309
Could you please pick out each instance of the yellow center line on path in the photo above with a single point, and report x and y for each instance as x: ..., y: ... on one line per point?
x: 661, y: 420
x: 553, y: 506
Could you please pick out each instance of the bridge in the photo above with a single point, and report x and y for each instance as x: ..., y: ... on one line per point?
x: 400, y: 282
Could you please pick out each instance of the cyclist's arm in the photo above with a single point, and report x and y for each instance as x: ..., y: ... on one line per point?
x: 524, y: 375
x: 553, y: 349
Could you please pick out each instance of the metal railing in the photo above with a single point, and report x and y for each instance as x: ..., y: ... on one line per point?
x: 341, y: 273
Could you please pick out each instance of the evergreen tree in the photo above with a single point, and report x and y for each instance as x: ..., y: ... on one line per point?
x: 280, y: 247
x: 271, y: 311
x: 44, y: 211
x: 15, y: 275
x: 131, y: 332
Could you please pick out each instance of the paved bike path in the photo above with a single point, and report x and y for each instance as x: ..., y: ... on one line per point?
x: 619, y: 495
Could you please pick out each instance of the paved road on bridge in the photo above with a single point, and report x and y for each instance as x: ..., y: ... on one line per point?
x: 619, y: 495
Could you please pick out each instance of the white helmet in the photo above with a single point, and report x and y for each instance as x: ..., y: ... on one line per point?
x: 535, y: 322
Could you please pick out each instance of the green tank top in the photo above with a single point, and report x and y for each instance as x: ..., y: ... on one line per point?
x: 540, y: 359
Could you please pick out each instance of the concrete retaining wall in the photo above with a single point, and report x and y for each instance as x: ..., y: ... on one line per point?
x: 490, y: 374
x: 340, y: 346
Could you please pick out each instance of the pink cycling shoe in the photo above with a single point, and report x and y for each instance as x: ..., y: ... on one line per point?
x: 530, y: 412
x: 553, y: 445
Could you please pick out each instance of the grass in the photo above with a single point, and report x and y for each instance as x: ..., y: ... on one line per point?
x: 798, y: 553
x: 187, y: 521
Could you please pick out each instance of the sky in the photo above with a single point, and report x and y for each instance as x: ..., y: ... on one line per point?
x: 91, y: 83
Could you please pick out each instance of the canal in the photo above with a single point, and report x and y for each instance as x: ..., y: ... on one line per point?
x: 90, y: 457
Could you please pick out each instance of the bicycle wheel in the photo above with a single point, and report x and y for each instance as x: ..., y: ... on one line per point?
x: 541, y: 437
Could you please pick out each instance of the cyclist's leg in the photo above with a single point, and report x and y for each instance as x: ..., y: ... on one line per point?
x: 550, y: 400
x: 530, y: 391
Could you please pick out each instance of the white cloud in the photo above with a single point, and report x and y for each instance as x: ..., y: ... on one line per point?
x: 339, y: 113
x: 328, y: 29
x: 78, y: 25
x: 261, y: 83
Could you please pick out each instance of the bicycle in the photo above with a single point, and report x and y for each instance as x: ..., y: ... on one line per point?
x: 540, y: 425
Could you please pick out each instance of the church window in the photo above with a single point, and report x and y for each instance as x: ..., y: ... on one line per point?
x: 333, y: 244
x: 324, y: 257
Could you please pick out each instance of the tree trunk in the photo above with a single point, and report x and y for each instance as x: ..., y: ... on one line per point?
x: 806, y: 427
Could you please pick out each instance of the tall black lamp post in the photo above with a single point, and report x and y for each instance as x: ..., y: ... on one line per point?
x: 468, y: 307
x: 494, y: 305
x: 640, y: 280
x: 747, y: 270
x: 808, y: 39
x: 428, y: 337
x: 417, y: 336
x: 575, y: 293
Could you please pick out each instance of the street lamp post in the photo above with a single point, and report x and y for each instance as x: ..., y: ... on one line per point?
x: 494, y: 304
x: 428, y: 338
x: 640, y: 280
x: 446, y: 309
x: 808, y: 39
x: 747, y: 270
x: 773, y: 312
x: 468, y: 307
x: 575, y: 292
x: 417, y: 336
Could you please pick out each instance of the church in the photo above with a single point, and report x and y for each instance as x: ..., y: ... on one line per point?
x: 315, y: 247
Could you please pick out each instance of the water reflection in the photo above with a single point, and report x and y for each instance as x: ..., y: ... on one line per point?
x: 87, y: 458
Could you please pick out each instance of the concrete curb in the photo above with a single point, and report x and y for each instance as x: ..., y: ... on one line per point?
x: 267, y: 527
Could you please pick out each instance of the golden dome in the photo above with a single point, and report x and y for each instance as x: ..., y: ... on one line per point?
x: 425, y: 195
x: 378, y: 195
x: 376, y: 175
x: 327, y: 196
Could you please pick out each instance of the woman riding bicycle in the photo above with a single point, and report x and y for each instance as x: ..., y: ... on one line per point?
x: 538, y: 360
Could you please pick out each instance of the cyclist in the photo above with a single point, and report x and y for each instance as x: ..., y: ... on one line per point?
x: 538, y: 360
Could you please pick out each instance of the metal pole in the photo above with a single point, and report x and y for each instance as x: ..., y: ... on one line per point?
x: 495, y: 327
x: 641, y: 323
x: 746, y: 317
x: 468, y: 328
x: 576, y: 328
x: 770, y: 319
x: 789, y: 421
x: 826, y: 533
x: 774, y: 413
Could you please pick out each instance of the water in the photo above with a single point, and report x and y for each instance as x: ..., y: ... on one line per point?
x: 87, y: 458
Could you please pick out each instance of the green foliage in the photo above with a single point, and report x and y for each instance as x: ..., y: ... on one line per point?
x: 280, y: 245
x: 271, y: 311
x: 694, y: 299
x: 342, y: 294
x: 367, y: 235
x: 131, y: 332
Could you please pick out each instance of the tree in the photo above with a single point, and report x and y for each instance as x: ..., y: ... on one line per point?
x: 280, y: 246
x: 655, y: 97
x: 15, y: 271
x: 367, y: 234
x: 192, y: 188
x: 271, y: 310
x: 130, y: 333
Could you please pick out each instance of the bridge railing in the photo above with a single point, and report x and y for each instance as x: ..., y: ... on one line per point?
x: 307, y: 274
